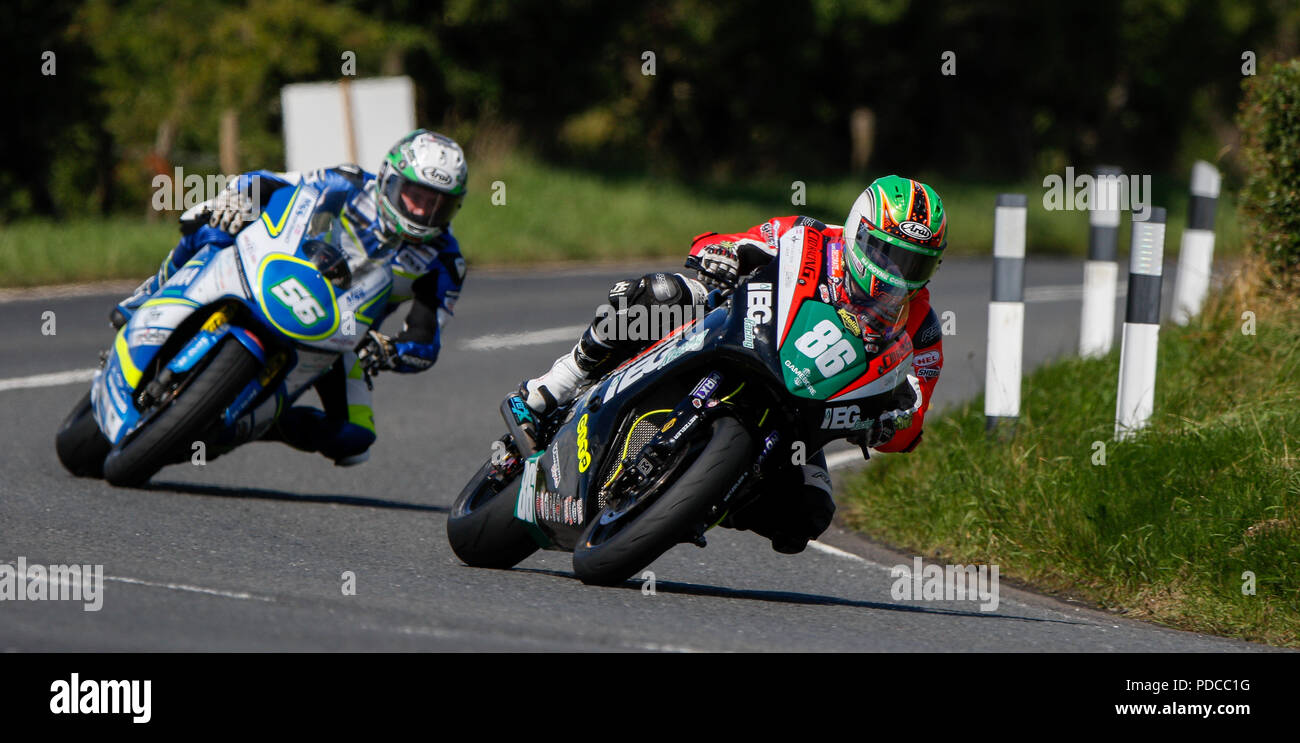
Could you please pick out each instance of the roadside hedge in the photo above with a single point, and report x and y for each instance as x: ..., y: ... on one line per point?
x: 1270, y: 130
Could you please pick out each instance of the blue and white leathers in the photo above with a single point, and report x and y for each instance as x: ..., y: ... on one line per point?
x: 265, y: 292
x: 430, y: 275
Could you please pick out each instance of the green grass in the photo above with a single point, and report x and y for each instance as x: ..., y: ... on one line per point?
x: 1165, y: 529
x: 560, y: 214
x: 34, y: 253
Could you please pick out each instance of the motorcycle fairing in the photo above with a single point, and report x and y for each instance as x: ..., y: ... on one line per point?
x: 278, y: 294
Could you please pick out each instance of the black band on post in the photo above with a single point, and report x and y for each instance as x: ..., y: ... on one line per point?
x: 1008, y: 279
x: 1200, y: 212
x: 1143, y: 299
x: 1103, y: 243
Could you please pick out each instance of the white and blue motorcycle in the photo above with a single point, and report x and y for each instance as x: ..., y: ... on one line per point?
x: 227, y: 344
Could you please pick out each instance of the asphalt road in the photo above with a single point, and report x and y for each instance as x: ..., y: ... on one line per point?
x: 249, y: 552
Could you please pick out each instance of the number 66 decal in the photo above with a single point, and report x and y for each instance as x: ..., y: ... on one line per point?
x: 295, y: 296
x: 826, y: 345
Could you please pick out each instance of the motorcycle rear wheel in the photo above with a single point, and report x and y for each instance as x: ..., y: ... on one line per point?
x: 482, y: 528
x: 80, y: 444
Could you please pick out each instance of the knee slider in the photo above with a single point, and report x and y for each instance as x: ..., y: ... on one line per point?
x: 649, y: 290
x: 348, y: 441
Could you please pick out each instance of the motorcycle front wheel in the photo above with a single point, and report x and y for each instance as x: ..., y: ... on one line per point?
x: 186, y: 417
x: 611, y: 551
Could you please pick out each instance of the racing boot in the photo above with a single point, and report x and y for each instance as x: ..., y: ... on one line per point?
x: 554, y: 388
x: 311, y: 430
x: 590, y: 359
x: 795, y: 508
x: 538, y: 398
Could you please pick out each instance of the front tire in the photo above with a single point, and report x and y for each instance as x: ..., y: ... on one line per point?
x: 482, y: 527
x: 609, y: 559
x: 186, y: 418
x: 80, y: 444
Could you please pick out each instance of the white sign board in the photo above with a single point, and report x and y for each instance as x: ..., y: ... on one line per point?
x: 315, y: 131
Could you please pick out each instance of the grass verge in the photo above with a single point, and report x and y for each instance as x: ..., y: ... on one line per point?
x: 521, y: 211
x: 1163, y: 530
x: 34, y: 253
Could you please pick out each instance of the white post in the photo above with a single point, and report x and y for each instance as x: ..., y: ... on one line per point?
x: 1196, y: 253
x: 1101, y: 271
x: 1137, y: 355
x: 1006, y: 312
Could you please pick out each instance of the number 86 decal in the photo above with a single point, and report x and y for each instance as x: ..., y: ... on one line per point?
x: 826, y: 345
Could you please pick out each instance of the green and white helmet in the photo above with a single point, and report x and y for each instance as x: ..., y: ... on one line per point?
x: 421, y: 185
x: 895, y: 234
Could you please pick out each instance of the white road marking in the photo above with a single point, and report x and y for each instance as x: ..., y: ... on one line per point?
x: 1065, y: 293
x: 844, y: 458
x: 48, y: 380
x: 836, y: 551
x: 190, y: 589
x: 494, y: 341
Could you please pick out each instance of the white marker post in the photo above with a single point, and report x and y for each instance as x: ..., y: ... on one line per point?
x: 1196, y: 253
x: 1101, y: 270
x: 1137, y: 355
x: 1006, y: 312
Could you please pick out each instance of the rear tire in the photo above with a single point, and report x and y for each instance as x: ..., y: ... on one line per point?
x: 186, y: 419
x: 482, y: 527
x: 673, y: 514
x: 80, y: 444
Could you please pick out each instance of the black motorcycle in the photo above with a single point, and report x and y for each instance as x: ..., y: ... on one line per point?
x: 664, y: 447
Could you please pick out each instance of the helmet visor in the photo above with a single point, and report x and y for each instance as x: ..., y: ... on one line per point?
x: 910, y: 266
x: 419, y: 204
x: 878, y: 309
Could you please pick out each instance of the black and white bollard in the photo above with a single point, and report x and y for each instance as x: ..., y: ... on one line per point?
x: 1137, y: 355
x: 1196, y: 252
x: 1006, y: 312
x: 1101, y: 270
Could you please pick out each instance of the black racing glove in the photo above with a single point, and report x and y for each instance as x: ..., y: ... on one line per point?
x: 722, y: 260
x: 881, y: 432
x: 376, y: 352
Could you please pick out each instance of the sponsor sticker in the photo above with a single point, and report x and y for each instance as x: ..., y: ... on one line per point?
x: 850, y: 322
x: 842, y: 417
x: 929, y: 358
x: 915, y: 230
x: 706, y: 387
x: 584, y: 456
x: 758, y: 310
